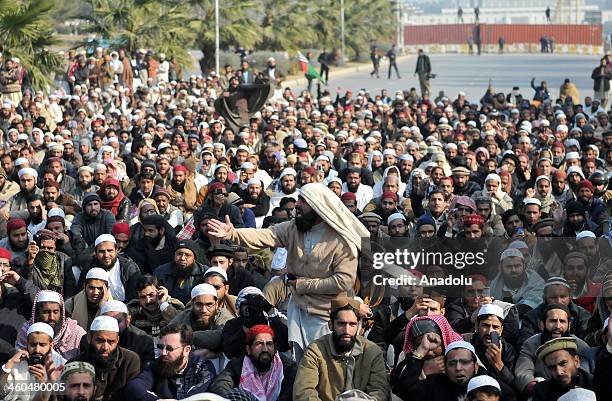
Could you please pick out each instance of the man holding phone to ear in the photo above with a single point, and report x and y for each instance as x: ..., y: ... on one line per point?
x: 493, y: 351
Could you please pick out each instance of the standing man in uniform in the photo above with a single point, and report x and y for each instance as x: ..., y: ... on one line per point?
x: 423, y: 70
x: 392, y: 56
x: 375, y: 57
x: 324, y: 59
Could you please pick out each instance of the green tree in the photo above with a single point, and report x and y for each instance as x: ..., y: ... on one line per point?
x: 238, y: 26
x: 26, y: 32
x: 286, y: 25
x: 163, y: 26
x: 365, y: 22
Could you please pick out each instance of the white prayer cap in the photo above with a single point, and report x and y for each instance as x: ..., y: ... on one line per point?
x: 335, y: 179
x: 585, y: 234
x: 216, y: 270
x: 247, y: 165
x: 575, y: 169
x: 203, y: 289
x: 562, y: 128
x: 288, y: 171
x: 40, y: 327
x: 321, y: 158
x: 491, y: 309
x: 104, y: 323
x: 460, y: 344
x: 482, y: 381
x: 48, y: 296
x: 163, y: 146
x: 20, y: 161
x: 97, y: 273
x: 28, y: 171
x: 518, y: 245
x: 572, y: 155
x: 395, y: 216
x: 389, y: 152
x: 407, y: 156
x: 542, y: 177
x: 113, y: 306
x: 105, y: 238
x: 532, y: 201
x: 493, y: 176
x: 511, y: 253
x: 253, y: 181
x: 578, y: 394
x: 56, y: 211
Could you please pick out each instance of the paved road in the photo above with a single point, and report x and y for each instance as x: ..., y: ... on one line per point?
x: 471, y: 74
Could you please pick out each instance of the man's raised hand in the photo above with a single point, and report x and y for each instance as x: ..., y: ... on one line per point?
x: 217, y: 229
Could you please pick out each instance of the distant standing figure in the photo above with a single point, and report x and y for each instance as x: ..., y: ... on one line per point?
x: 460, y: 15
x: 324, y: 60
x: 423, y: 70
x: 392, y: 55
x: 375, y: 57
x: 470, y: 43
x: 477, y: 14
x: 547, y: 12
x: 601, y: 82
x: 501, y: 42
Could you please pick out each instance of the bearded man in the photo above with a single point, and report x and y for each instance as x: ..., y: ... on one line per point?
x: 322, y: 245
x: 178, y: 373
x: 263, y: 371
x: 115, y: 366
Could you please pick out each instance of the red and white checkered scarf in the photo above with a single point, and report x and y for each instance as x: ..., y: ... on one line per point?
x: 448, y: 334
x: 265, y: 387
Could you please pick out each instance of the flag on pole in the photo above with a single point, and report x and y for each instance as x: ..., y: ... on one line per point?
x: 308, y: 69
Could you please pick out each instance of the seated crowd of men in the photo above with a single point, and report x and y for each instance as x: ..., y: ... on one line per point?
x: 112, y: 284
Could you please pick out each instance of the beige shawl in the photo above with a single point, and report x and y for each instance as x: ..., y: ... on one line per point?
x: 331, y: 209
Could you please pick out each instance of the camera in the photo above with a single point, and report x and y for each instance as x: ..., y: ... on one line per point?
x: 255, y: 311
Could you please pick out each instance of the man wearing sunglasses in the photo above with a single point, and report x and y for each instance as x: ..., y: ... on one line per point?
x: 216, y: 203
x: 178, y: 373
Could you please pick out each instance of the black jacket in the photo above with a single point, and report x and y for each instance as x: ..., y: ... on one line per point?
x: 508, y: 358
x: 110, y: 383
x: 579, y: 318
x: 147, y: 257
x: 238, y: 279
x: 550, y: 390
x: 130, y: 273
x: 602, y: 375
x: 167, y: 277
x: 229, y: 378
x: 16, y: 308
x: 385, y: 331
x: 196, y: 378
x: 406, y: 384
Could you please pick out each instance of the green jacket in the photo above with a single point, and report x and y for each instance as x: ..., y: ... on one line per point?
x: 323, y: 374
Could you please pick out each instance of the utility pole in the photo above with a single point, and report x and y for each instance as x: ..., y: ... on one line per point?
x: 342, y: 30
x: 217, y: 70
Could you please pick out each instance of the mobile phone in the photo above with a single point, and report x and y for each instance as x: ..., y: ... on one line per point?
x: 36, y: 359
x: 494, y: 338
x: 486, y: 292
